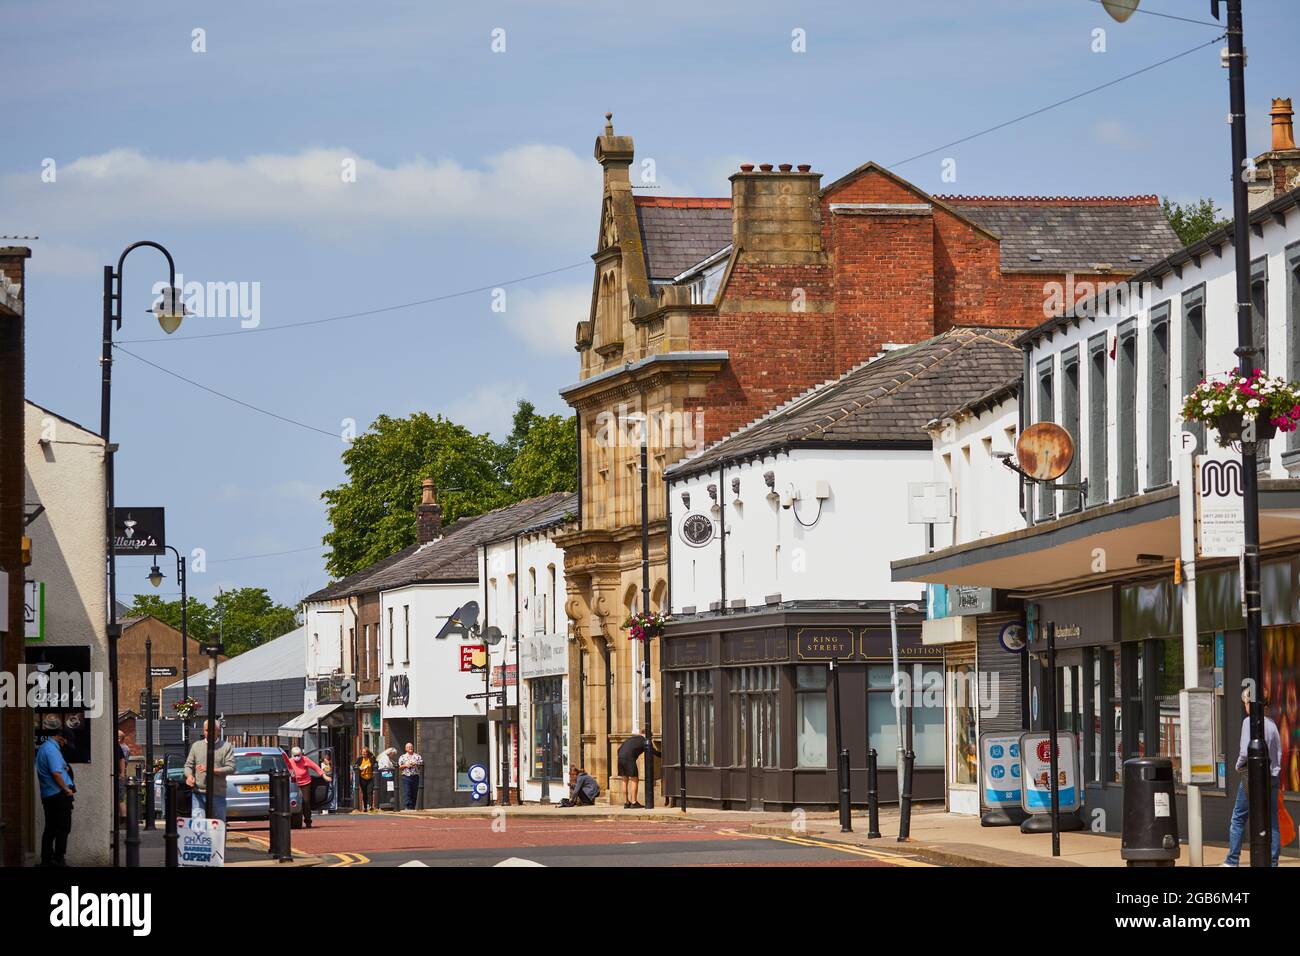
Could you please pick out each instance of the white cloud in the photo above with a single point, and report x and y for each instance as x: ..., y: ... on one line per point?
x: 533, y: 189
x: 545, y: 319
x: 490, y: 407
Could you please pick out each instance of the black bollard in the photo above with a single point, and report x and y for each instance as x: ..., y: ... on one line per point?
x: 873, y: 797
x: 133, y: 821
x: 842, y: 765
x: 905, y: 798
x: 171, y: 839
x: 281, y: 826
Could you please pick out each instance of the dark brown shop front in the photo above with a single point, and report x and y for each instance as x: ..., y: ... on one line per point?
x: 759, y: 708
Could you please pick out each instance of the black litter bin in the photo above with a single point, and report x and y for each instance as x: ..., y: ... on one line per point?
x: 389, y: 792
x: 1150, y: 833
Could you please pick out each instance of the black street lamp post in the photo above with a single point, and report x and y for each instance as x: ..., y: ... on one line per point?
x: 1257, y: 762
x: 169, y: 315
x: 646, y: 695
x: 156, y: 579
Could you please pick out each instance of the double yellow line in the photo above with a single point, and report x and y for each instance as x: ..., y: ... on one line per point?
x: 878, y: 855
x: 349, y: 859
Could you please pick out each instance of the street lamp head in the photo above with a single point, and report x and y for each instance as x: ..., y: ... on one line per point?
x: 1121, y: 10
x: 156, y: 576
x: 170, y: 310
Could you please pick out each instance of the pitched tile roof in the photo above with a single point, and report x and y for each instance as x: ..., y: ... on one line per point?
x: 1072, y: 233
x: 888, y: 399
x: 453, y: 557
x: 679, y: 232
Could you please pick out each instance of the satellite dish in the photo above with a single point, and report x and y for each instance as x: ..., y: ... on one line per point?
x: 462, y: 621
x: 493, y: 635
x: 1045, y: 451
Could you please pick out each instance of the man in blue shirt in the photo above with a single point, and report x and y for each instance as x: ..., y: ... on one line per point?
x: 1241, y: 809
x: 57, y: 789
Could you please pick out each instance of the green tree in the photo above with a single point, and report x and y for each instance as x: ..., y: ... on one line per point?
x: 247, y: 617
x: 199, y: 620
x: 1192, y: 221
x: 547, y: 459
x: 372, y: 515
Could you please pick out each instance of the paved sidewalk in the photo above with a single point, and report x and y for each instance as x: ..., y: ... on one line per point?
x: 242, y: 850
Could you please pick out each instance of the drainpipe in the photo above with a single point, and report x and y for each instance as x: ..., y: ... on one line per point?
x: 577, y: 427
x: 722, y: 533
x: 609, y: 715
x: 505, y: 684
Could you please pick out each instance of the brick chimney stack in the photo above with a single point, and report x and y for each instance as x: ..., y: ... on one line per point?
x: 776, y: 216
x: 428, y: 515
x: 1278, y: 170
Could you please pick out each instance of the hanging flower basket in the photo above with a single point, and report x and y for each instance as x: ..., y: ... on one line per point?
x: 641, y: 627
x: 186, y: 708
x: 1228, y: 404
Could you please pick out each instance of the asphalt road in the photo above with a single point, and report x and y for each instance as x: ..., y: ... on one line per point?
x: 355, y: 840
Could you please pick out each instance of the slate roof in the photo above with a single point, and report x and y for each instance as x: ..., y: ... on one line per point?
x: 453, y: 557
x: 1072, y: 234
x: 677, y: 233
x: 888, y: 400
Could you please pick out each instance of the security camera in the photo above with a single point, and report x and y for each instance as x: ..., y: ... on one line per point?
x: 1002, y: 454
x: 787, y: 499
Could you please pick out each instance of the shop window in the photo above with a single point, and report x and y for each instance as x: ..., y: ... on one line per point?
x: 924, y: 695
x: 547, y: 697
x: 697, y: 691
x: 755, y: 717
x: 810, y: 716
x: 965, y: 737
x: 1194, y: 351
x: 1158, y: 398
x: 1281, y: 663
x: 1071, y: 500
x: 1126, y: 424
x: 1098, y: 424
x: 1046, y: 413
x: 471, y: 742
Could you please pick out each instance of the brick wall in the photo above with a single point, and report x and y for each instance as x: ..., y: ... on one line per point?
x: 15, y: 730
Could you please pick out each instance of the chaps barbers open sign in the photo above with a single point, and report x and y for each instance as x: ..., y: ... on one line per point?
x: 139, y: 531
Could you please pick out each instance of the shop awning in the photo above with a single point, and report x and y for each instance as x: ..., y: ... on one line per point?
x: 1113, y: 540
x: 307, y: 720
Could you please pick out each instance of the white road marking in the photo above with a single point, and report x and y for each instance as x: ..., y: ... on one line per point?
x: 518, y: 861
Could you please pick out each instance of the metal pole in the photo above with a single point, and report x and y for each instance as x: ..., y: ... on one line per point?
x: 905, y: 798
x: 1050, y: 686
x: 209, y: 802
x: 132, y: 822
x: 1257, y: 763
x: 842, y: 757
x: 898, y: 692
x: 105, y: 406
x: 873, y: 796
x: 681, y: 747
x: 170, y: 835
x: 185, y: 641
x: 148, y: 733
x: 647, y: 694
x: 1191, y: 672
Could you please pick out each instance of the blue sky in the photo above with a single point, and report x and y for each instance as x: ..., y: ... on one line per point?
x: 473, y: 168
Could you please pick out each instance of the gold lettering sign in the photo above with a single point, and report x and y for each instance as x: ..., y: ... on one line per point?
x: 823, y: 643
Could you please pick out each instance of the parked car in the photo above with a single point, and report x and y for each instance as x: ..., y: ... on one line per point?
x: 182, y: 792
x: 248, y: 789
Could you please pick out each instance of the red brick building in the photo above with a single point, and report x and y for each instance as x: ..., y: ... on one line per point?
x: 706, y: 313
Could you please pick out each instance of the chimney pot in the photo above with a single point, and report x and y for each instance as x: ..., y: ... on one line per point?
x: 786, y: 167
x: 746, y: 167
x: 805, y: 168
x: 428, y: 514
x: 765, y: 167
x: 1283, y: 128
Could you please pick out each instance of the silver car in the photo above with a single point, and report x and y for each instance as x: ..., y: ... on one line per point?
x: 248, y: 789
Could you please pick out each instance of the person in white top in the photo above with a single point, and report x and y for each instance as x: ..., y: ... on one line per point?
x: 1241, y: 809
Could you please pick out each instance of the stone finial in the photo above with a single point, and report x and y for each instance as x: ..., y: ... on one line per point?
x: 609, y: 124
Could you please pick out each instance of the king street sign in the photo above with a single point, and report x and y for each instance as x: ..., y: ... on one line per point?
x: 139, y: 531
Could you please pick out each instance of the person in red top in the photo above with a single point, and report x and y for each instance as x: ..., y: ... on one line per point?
x: 301, y: 767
